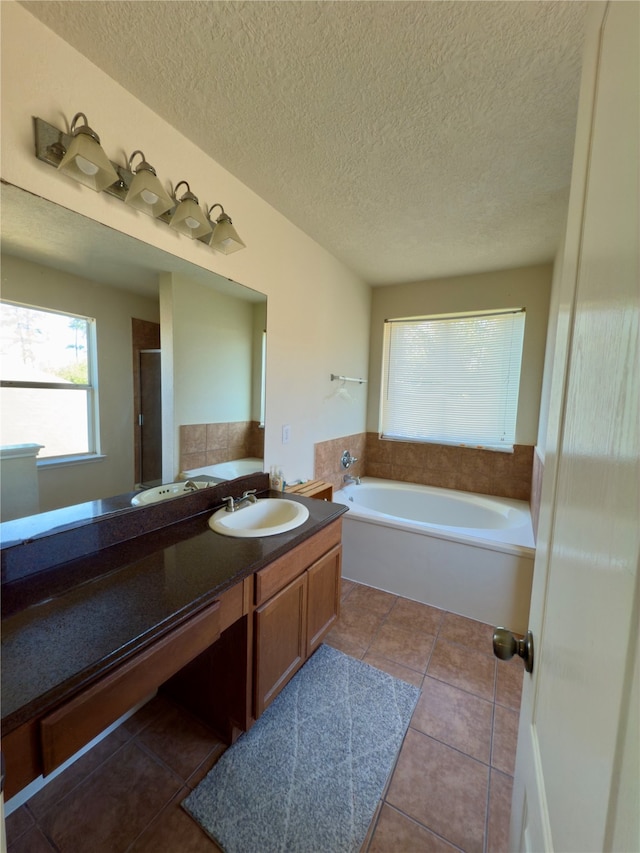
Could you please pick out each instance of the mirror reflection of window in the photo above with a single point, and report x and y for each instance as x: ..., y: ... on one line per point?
x: 48, y: 389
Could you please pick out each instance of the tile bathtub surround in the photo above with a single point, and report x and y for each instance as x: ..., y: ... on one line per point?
x: 327, y: 456
x: 209, y: 444
x: 450, y: 789
x: 466, y: 469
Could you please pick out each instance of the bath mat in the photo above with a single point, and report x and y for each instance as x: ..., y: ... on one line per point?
x: 307, y: 777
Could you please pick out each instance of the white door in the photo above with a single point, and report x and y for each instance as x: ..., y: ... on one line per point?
x: 576, y: 779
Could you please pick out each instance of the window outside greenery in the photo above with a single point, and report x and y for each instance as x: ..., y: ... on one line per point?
x: 47, y: 384
x: 453, y: 379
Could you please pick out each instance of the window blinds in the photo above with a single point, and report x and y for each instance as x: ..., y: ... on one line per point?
x: 453, y: 379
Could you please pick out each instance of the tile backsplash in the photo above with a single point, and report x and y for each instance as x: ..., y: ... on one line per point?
x: 463, y: 468
x: 209, y: 444
x: 328, y: 454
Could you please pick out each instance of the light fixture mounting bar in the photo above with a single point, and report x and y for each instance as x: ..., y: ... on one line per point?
x: 51, y: 143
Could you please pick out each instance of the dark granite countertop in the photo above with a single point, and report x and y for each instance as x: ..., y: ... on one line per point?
x: 68, y: 625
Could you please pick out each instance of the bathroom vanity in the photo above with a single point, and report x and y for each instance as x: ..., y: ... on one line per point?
x: 96, y: 618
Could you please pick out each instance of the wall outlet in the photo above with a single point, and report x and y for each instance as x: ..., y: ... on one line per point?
x: 286, y: 433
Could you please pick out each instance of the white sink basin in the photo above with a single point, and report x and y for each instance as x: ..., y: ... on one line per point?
x: 266, y: 517
x: 163, y: 493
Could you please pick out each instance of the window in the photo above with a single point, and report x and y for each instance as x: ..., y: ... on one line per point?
x: 47, y: 380
x: 453, y: 379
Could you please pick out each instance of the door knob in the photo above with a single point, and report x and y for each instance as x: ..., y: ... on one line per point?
x: 505, y: 646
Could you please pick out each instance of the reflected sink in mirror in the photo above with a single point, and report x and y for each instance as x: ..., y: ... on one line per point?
x: 265, y: 517
x: 163, y: 493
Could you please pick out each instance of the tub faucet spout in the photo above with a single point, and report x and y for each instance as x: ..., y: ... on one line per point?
x: 350, y: 478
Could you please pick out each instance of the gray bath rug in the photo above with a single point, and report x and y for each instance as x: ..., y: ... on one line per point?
x: 307, y: 777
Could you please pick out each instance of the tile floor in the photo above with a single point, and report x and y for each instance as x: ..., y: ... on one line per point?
x: 450, y: 789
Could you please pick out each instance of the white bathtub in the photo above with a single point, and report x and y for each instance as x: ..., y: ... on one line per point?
x: 467, y: 553
x: 226, y: 470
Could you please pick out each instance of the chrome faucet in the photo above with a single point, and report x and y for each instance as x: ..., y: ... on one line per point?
x: 347, y: 459
x: 191, y: 486
x: 235, y: 503
x: 350, y: 478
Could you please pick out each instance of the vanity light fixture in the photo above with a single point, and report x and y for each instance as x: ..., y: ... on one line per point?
x: 146, y: 193
x: 187, y: 218
x: 225, y: 238
x: 84, y: 160
x: 78, y: 154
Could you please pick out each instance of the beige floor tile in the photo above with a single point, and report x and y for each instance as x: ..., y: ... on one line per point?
x: 505, y: 739
x: 368, y: 598
x: 113, y: 806
x: 500, y: 790
x: 356, y: 624
x: 17, y: 823
x: 403, y: 646
x: 397, y: 833
x: 467, y: 632
x: 201, y: 771
x: 415, y: 616
x: 77, y: 773
x: 346, y: 588
x: 442, y: 789
x: 32, y: 841
x: 464, y: 668
x: 179, y: 740
x: 343, y: 643
x: 509, y: 678
x: 176, y: 831
x: 455, y: 717
x: 411, y: 676
x: 147, y: 714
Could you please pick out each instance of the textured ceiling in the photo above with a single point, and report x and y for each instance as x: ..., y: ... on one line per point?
x: 411, y: 139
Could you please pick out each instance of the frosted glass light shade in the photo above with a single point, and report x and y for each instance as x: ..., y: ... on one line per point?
x: 86, y: 162
x: 189, y: 219
x: 225, y: 238
x: 147, y: 194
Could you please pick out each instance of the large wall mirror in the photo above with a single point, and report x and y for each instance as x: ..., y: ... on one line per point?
x: 179, y: 362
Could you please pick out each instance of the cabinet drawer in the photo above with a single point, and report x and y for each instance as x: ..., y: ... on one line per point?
x: 282, y: 571
x: 77, y: 722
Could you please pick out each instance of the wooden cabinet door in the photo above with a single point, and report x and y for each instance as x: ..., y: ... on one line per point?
x: 280, y: 641
x: 323, y: 608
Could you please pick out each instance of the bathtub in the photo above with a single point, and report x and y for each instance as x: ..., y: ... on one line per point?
x: 467, y: 553
x: 226, y: 470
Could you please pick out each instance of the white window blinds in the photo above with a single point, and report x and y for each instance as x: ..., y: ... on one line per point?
x: 453, y: 379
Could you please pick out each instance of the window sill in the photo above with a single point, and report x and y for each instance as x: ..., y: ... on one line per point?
x: 60, y: 461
